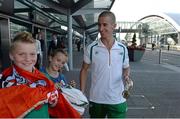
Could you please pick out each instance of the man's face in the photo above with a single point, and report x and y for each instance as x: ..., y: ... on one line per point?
x: 24, y: 56
x: 106, y: 27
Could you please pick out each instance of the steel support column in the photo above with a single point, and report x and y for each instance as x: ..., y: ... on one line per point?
x: 70, y: 48
x: 84, y: 40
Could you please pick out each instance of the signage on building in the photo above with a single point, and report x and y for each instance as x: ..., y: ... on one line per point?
x: 40, y: 18
x: 6, y: 6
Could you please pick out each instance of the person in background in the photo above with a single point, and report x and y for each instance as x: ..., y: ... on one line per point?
x: 42, y: 42
x: 78, y: 44
x: 39, y: 52
x: 62, y: 43
x: 30, y: 91
x: 153, y: 46
x: 40, y: 38
x: 57, y: 60
x: 54, y: 44
x: 109, y: 63
x: 168, y: 46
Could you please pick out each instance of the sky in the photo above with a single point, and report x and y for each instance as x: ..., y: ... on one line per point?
x: 133, y: 10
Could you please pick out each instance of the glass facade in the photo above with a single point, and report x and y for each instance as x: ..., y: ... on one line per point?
x: 159, y: 25
x: 55, y: 13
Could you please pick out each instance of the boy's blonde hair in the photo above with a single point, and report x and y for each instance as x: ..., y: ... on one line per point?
x: 23, y: 37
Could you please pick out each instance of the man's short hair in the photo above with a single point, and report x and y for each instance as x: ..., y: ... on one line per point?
x: 108, y: 13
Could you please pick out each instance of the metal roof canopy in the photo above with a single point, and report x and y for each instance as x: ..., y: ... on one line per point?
x: 160, y: 24
x: 84, y: 12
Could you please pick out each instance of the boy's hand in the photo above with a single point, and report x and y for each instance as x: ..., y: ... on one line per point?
x: 52, y: 98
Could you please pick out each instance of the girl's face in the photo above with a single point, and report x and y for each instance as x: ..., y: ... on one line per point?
x: 58, y: 61
x: 24, y: 56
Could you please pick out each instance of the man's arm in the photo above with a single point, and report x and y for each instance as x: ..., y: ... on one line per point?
x: 126, y: 73
x: 83, y: 76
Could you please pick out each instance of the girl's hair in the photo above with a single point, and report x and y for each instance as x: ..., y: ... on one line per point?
x: 58, y: 50
x: 23, y: 37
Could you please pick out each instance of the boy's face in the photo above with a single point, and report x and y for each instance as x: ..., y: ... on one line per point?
x: 24, y: 56
x: 58, y: 61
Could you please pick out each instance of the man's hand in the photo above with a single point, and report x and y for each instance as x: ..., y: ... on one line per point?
x: 126, y: 77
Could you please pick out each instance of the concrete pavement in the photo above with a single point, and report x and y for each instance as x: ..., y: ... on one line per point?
x: 156, y: 92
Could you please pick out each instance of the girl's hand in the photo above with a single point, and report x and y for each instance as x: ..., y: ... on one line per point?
x: 58, y: 85
x: 73, y: 83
